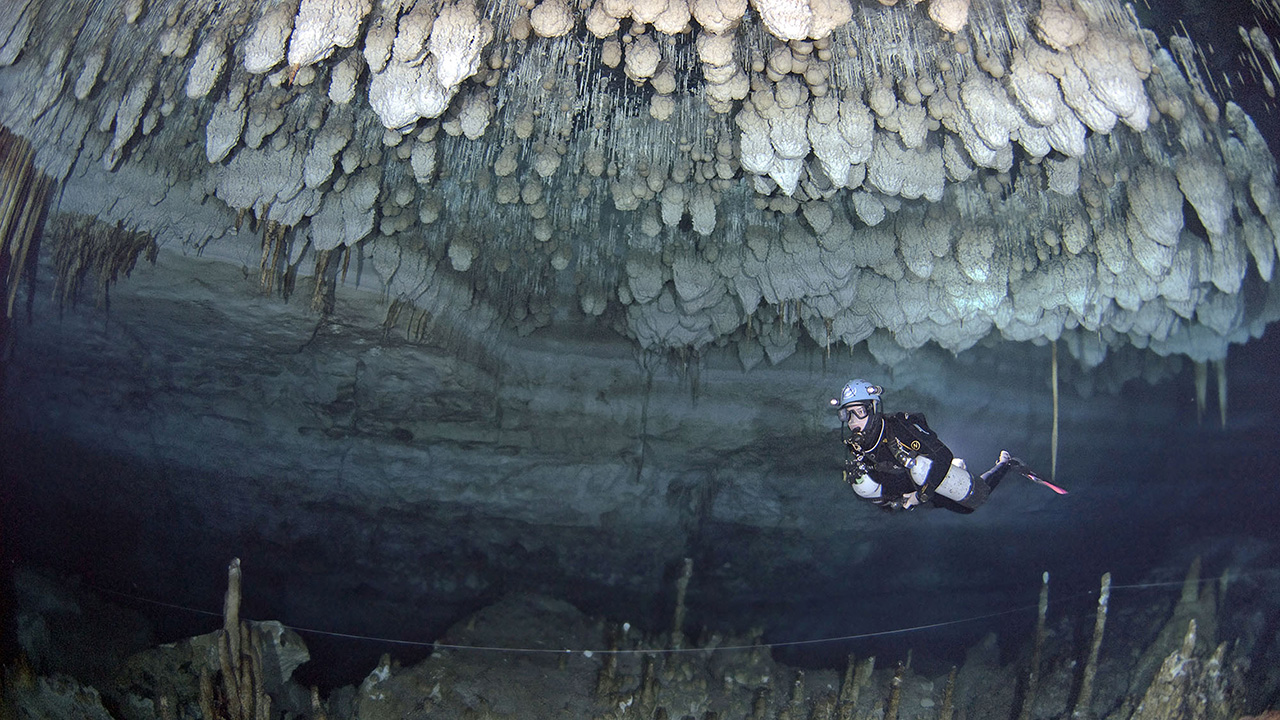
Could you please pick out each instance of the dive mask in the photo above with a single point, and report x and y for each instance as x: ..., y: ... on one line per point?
x: 857, y: 410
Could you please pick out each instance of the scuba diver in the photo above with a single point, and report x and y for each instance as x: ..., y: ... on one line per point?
x: 897, y: 462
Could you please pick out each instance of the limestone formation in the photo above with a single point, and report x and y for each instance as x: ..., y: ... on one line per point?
x: 550, y: 654
x: 1015, y: 177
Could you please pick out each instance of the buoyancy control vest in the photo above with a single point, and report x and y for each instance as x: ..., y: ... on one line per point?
x: 903, y: 455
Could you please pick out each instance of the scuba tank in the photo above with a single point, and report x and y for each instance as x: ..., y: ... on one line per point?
x: 957, y: 485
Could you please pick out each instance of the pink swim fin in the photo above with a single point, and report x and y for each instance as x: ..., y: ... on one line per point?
x: 1037, y: 479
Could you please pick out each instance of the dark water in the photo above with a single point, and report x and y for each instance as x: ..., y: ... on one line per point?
x: 934, y: 589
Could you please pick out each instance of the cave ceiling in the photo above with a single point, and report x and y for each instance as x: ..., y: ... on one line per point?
x: 685, y: 175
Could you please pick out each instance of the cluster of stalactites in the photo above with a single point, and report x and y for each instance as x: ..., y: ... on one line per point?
x: 714, y: 172
x: 23, y: 193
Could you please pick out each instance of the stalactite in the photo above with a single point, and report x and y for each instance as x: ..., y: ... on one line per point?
x: 346, y: 262
x: 1053, y: 436
x: 266, y: 270
x: 417, y: 325
x: 84, y: 245
x: 288, y: 278
x: 16, y: 155
x: 275, y: 250
x: 529, y: 109
x: 393, y: 317
x: 1221, y: 367
x: 1085, y: 696
x: 1033, y: 675
x: 23, y: 233
x: 322, y: 295
x: 24, y: 192
x: 1202, y: 390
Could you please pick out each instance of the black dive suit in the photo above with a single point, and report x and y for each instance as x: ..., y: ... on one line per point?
x: 883, y: 453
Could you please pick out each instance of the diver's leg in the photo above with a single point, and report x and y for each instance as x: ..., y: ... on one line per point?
x: 992, y: 477
x: 987, y: 482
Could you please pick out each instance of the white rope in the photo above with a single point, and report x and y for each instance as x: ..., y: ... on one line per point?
x: 674, y: 651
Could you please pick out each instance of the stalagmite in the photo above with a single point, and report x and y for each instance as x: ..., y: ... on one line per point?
x: 848, y: 698
x: 241, y: 694
x: 1187, y: 686
x: 796, y: 703
x: 895, y: 693
x: 607, y: 680
x: 948, y: 696
x: 231, y: 638
x: 856, y: 675
x: 1033, y: 674
x: 1085, y: 696
x: 647, y: 693
x: 1197, y: 601
x: 682, y: 587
